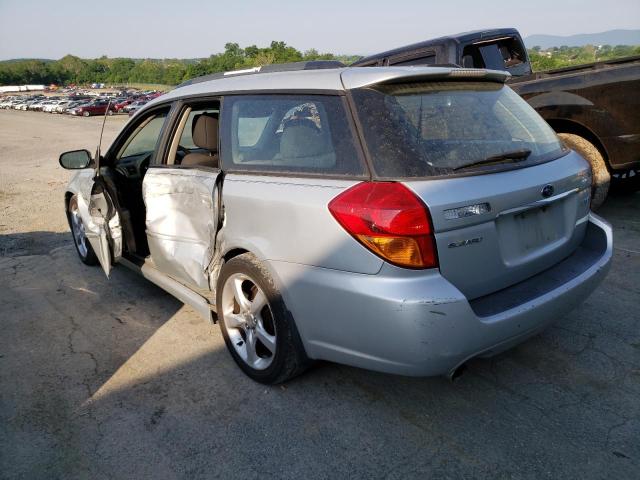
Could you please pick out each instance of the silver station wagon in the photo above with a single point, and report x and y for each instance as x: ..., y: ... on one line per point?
x: 399, y: 219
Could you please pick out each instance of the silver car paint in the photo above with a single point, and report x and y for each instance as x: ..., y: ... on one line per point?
x: 414, y: 322
x: 500, y: 259
x: 287, y: 219
x: 349, y: 305
x: 339, y: 80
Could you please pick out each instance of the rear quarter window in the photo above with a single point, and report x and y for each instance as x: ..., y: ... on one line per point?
x: 306, y: 134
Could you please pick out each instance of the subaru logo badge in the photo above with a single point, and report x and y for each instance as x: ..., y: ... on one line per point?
x: 547, y: 191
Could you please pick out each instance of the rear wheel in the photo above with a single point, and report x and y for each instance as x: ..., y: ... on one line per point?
x: 255, y: 323
x: 83, y: 247
x: 601, y: 178
x: 109, y: 112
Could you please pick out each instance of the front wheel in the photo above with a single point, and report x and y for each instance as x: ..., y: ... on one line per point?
x: 257, y: 328
x: 601, y: 178
x: 83, y: 247
x: 85, y: 114
x: 109, y: 112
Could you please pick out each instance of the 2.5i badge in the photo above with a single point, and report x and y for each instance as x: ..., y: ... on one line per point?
x: 464, y: 243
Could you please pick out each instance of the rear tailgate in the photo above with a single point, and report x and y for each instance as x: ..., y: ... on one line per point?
x: 524, y: 232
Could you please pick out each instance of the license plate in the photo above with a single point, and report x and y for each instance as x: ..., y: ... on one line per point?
x: 538, y: 227
x: 525, y: 233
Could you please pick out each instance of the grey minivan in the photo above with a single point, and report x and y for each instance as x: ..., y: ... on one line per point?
x: 399, y: 219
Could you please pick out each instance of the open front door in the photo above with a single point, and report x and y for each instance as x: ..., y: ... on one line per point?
x: 102, y: 226
x: 182, y: 209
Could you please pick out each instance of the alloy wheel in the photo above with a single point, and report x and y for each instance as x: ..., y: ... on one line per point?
x: 77, y: 229
x: 249, y: 321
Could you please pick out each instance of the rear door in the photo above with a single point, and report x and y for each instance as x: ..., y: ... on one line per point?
x: 183, y: 202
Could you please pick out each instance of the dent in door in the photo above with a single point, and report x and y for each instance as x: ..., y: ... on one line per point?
x: 102, y: 227
x: 181, y: 221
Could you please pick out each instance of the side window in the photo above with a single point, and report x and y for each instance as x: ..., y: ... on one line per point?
x: 186, y: 139
x: 423, y: 60
x: 289, y: 133
x: 501, y: 54
x: 250, y: 130
x: 195, y: 142
x: 143, y: 139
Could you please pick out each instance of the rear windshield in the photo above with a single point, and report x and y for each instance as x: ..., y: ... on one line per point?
x: 443, y: 128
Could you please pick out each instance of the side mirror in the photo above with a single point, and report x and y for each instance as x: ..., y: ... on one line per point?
x: 75, y: 159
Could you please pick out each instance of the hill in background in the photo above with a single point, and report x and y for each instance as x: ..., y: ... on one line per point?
x: 611, y: 37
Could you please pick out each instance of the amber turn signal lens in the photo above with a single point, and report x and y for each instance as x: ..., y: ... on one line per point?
x: 401, y: 251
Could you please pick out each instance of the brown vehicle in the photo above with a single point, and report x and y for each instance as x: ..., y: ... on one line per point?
x: 594, y: 108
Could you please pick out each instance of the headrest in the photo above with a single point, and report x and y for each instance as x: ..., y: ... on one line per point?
x: 302, y: 140
x: 467, y: 61
x: 204, y: 131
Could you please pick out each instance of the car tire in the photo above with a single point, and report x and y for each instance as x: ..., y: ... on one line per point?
x: 109, y: 112
x: 80, y: 241
x: 85, y: 114
x: 601, y: 178
x: 259, y: 314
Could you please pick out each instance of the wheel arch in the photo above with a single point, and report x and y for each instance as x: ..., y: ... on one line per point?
x: 68, y: 195
x: 561, y: 125
x: 234, y: 252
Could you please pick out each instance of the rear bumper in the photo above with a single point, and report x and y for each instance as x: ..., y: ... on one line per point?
x: 417, y: 323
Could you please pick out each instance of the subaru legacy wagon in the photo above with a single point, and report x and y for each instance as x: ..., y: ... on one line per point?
x: 399, y: 219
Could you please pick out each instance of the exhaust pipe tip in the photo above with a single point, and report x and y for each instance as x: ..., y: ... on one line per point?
x: 457, y: 372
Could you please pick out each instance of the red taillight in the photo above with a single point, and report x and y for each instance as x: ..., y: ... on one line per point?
x: 390, y: 220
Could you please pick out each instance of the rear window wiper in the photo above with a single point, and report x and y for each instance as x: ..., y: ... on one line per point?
x: 514, y: 155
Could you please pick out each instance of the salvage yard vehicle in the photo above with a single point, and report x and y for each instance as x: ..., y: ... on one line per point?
x: 136, y: 105
x: 97, y: 107
x: 119, y: 105
x: 593, y: 107
x: 398, y: 219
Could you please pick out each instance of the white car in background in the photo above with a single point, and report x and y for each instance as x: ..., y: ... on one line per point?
x: 62, y: 106
x: 25, y: 105
x: 50, y: 106
x: 38, y: 104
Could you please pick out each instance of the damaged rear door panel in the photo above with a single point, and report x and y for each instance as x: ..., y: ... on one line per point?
x: 182, y: 206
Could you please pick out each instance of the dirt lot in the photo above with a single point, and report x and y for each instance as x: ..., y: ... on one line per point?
x: 117, y: 379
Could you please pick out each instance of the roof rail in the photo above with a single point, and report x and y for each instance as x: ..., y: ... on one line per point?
x: 278, y: 67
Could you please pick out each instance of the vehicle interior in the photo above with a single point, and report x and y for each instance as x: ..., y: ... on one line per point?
x: 123, y: 173
x: 504, y: 53
x: 195, y: 142
x: 292, y: 133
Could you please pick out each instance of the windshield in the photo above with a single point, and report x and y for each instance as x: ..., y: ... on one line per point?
x: 439, y: 128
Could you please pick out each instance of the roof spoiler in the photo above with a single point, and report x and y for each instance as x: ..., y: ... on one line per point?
x: 363, y: 77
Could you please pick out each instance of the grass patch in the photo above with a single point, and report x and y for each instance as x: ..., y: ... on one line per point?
x: 150, y: 86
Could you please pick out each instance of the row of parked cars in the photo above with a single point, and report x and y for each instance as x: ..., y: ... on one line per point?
x: 80, y: 105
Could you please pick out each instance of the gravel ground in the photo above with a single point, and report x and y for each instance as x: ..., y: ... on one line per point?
x: 116, y: 379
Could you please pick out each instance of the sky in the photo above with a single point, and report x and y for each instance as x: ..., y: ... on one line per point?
x: 192, y: 29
